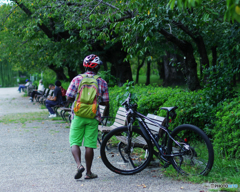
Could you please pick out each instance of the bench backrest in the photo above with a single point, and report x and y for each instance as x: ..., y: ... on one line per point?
x: 46, y: 92
x: 158, y: 119
x: 120, y: 118
x: 51, y: 92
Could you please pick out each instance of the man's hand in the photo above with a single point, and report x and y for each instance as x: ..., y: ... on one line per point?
x: 70, y: 99
x: 106, y: 110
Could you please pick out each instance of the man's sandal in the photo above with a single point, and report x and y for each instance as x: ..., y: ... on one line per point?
x: 79, y: 172
x: 91, y: 176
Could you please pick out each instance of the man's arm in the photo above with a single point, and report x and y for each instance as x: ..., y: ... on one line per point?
x: 70, y: 99
x: 106, y: 110
x: 52, y: 98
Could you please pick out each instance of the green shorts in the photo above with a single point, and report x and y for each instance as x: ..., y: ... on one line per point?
x: 83, y: 129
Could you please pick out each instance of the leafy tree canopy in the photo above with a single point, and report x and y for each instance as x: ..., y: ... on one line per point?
x: 232, y: 12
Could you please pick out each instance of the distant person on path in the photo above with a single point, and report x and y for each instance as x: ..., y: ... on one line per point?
x: 56, y: 99
x: 39, y: 91
x: 83, y: 128
x: 23, y: 86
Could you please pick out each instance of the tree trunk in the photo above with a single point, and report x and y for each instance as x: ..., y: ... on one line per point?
x: 234, y: 80
x: 190, y: 68
x: 198, y: 39
x: 189, y: 65
x: 161, y: 71
x: 148, y: 72
x: 214, y: 56
x: 204, y: 61
x: 71, y: 72
x: 139, y: 67
x: 122, y: 69
x: 59, y: 72
x: 173, y: 75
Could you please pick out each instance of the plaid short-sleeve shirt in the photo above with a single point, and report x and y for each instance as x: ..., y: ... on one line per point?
x: 103, y: 95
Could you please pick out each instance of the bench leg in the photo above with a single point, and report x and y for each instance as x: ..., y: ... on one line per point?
x: 55, y: 110
x: 69, y: 118
x: 62, y: 113
x: 102, y: 137
x: 100, y: 143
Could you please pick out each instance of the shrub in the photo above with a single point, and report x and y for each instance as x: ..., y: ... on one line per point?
x: 187, y: 112
x: 153, y: 97
x: 227, y: 128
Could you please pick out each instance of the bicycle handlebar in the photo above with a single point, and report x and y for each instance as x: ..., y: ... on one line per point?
x: 126, y: 102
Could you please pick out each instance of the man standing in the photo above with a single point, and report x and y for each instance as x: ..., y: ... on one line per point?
x: 56, y: 99
x: 82, y: 127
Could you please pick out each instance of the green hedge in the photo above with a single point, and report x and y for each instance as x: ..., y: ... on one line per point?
x: 191, y: 108
x: 227, y: 128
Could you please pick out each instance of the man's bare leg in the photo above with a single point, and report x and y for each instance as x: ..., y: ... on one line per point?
x: 76, y: 152
x: 89, y: 154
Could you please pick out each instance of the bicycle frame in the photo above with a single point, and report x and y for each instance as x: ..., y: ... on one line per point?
x: 140, y: 117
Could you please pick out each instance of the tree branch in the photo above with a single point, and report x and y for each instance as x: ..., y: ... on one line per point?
x: 9, y: 14
x: 100, y: 1
x: 57, y: 37
x: 185, y: 29
x: 29, y: 13
x: 181, y: 44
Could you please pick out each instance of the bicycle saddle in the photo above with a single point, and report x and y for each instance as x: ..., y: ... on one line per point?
x: 169, y: 109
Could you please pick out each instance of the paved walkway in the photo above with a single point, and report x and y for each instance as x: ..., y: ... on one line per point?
x: 35, y: 156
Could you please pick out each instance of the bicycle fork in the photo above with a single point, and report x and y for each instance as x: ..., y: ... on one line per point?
x: 129, y: 148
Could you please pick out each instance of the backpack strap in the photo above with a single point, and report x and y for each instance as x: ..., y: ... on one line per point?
x: 96, y: 77
x: 83, y: 75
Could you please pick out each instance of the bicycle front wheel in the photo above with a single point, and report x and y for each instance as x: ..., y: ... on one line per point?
x: 195, y: 154
x: 120, y: 158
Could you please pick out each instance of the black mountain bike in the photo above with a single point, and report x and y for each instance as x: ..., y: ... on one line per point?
x: 129, y: 149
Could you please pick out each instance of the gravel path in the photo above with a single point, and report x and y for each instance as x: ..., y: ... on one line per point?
x: 35, y: 156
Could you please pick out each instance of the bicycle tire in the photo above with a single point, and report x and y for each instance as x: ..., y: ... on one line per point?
x: 115, y: 157
x: 198, y: 160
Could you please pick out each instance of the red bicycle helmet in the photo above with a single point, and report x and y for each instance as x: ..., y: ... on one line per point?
x: 92, y: 61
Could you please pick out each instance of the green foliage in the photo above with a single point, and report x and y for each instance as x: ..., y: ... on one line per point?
x: 65, y: 85
x: 110, y: 79
x: 219, y: 83
x: 227, y: 129
x: 191, y: 109
x: 232, y: 13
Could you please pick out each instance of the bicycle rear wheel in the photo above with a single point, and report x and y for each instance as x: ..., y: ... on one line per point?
x: 114, y: 152
x: 198, y: 158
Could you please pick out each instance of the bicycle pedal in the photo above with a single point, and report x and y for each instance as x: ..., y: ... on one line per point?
x: 166, y: 165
